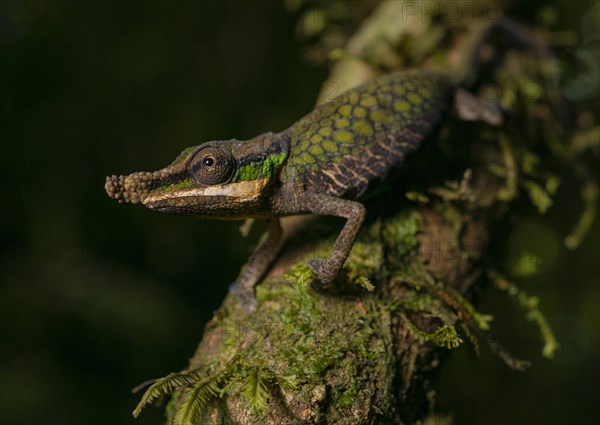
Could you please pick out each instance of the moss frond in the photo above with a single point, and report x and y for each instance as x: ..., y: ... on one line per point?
x: 165, y: 386
x: 364, y: 283
x: 255, y: 390
x: 300, y: 274
x: 444, y: 336
x: 589, y: 195
x: 195, y: 398
x: 510, y: 360
x: 481, y: 320
x: 538, y: 195
x: 534, y: 314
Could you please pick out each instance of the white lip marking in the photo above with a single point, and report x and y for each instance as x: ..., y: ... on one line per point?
x: 245, y: 190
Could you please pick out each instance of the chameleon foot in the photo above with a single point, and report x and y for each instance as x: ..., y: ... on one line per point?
x: 317, y: 265
x: 245, y: 295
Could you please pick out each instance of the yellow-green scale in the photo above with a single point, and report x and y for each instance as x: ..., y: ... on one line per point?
x: 350, y: 124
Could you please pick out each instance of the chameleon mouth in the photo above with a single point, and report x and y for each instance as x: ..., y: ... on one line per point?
x: 244, y: 190
x: 135, y: 187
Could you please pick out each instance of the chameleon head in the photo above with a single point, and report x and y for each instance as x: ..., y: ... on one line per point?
x: 220, y: 179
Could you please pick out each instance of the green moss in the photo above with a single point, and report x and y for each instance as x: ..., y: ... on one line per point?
x: 417, y: 197
x: 301, y: 324
x: 533, y: 313
x: 299, y: 339
x: 301, y: 274
x: 445, y: 336
x: 401, y: 231
x: 255, y: 390
x: 539, y: 197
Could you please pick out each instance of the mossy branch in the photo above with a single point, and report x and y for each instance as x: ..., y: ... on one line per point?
x: 363, y: 353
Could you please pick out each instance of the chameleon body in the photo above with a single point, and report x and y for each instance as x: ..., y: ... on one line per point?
x: 321, y: 164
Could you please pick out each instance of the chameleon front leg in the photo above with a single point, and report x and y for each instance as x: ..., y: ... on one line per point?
x: 327, y: 269
x: 259, y: 262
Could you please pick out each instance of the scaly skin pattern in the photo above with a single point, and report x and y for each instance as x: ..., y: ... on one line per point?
x: 343, y: 145
x: 319, y: 165
x: 337, y: 150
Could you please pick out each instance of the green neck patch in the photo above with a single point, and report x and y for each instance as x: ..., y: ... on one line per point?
x: 259, y: 170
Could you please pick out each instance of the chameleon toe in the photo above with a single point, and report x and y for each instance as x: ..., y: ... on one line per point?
x: 322, y: 281
x: 315, y: 265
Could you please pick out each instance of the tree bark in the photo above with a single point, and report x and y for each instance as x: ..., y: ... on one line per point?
x: 365, y: 352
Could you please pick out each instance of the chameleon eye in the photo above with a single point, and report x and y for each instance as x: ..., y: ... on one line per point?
x: 212, y: 165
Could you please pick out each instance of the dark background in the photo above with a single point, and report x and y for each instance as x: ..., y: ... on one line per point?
x: 96, y: 297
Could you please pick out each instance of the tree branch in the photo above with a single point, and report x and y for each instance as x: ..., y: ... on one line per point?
x: 365, y: 353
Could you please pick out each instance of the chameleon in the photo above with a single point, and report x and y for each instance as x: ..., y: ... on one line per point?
x: 321, y: 164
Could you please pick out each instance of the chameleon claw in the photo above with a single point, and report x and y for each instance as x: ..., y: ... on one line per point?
x: 245, y: 296
x: 323, y: 281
